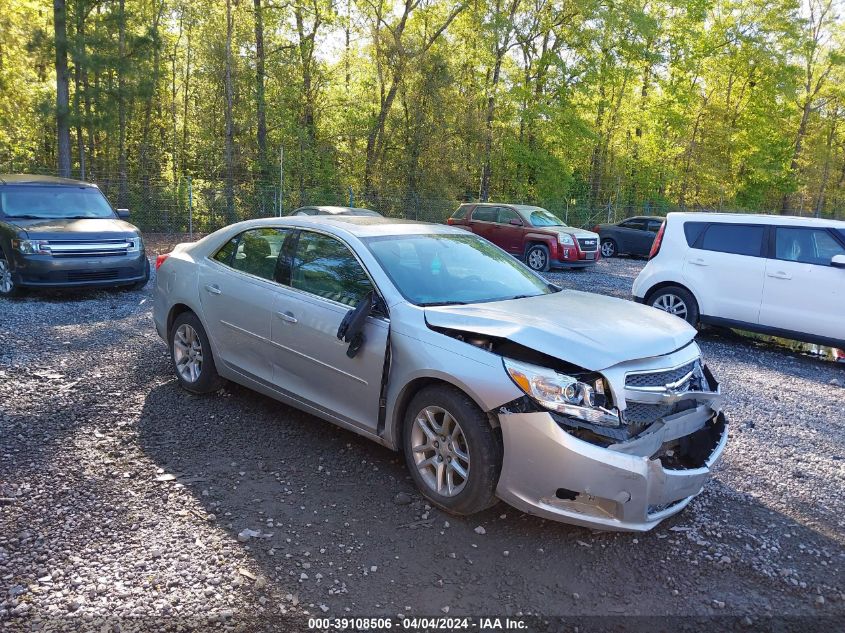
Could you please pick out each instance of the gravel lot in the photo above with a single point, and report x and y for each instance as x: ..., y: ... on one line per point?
x: 122, y: 496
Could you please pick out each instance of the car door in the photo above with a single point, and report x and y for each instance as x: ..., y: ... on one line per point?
x: 802, y: 291
x: 629, y: 235
x: 726, y: 267
x: 482, y: 221
x: 323, y: 282
x: 238, y: 294
x: 508, y: 236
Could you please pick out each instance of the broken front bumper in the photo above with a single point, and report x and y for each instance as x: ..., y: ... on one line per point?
x: 553, y: 474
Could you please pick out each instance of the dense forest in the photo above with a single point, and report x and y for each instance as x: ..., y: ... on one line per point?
x: 592, y: 108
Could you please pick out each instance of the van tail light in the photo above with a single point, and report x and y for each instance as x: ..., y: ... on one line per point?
x: 450, y: 221
x: 658, y: 240
x: 161, y: 259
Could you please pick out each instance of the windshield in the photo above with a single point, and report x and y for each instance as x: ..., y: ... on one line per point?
x: 449, y: 269
x: 53, y: 202
x: 541, y: 217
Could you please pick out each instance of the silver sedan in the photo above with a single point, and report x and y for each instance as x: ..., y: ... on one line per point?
x: 494, y: 383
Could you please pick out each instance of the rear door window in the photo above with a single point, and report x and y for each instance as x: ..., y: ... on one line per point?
x: 737, y: 239
x: 693, y: 230
x: 636, y: 224
x: 258, y: 252
x: 654, y: 226
x: 806, y: 245
x: 485, y: 214
x: 461, y: 213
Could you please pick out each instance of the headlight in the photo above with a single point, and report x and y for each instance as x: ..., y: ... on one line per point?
x: 135, y: 244
x: 32, y: 247
x: 562, y: 393
x: 565, y: 239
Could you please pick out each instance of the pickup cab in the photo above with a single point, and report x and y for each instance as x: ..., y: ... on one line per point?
x: 530, y: 233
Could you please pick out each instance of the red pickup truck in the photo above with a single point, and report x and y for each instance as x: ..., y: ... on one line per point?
x: 533, y: 234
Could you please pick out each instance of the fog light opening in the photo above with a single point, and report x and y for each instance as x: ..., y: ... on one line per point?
x: 566, y: 494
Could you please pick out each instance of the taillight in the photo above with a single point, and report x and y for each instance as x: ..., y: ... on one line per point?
x: 596, y: 228
x: 450, y: 221
x: 161, y: 259
x: 658, y: 240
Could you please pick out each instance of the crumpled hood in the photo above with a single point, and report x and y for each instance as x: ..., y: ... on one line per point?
x: 589, y: 330
x: 69, y: 229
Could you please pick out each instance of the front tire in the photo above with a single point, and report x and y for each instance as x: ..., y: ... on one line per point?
x: 678, y: 301
x: 609, y: 248
x: 191, y: 354
x: 8, y: 287
x: 537, y: 258
x: 452, y: 452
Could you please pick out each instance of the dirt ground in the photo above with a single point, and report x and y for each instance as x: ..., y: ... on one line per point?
x: 124, y: 497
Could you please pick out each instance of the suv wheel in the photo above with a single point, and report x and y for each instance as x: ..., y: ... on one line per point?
x: 676, y: 300
x: 537, y: 258
x: 7, y: 284
x: 190, y: 351
x: 609, y: 248
x: 452, y: 452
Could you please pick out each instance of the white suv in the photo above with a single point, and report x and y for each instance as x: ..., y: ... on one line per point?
x: 776, y: 275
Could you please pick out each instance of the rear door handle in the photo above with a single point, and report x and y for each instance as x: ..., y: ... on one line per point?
x: 698, y: 262
x: 780, y: 275
x: 213, y: 289
x: 286, y: 316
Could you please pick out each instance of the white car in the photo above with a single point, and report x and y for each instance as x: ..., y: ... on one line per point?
x: 783, y: 276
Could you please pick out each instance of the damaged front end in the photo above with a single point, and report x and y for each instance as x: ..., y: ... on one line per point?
x: 643, y: 460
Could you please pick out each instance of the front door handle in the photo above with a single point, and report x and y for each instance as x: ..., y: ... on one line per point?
x: 780, y: 275
x: 213, y: 289
x: 286, y: 316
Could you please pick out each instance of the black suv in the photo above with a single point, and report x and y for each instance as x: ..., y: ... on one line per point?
x: 56, y: 232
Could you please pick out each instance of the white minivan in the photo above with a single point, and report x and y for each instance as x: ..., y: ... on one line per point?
x: 777, y: 275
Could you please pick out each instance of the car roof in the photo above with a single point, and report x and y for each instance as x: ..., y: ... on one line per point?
x: 643, y: 217
x: 359, y: 225
x: 35, y: 179
x: 333, y: 210
x: 518, y: 207
x: 753, y: 218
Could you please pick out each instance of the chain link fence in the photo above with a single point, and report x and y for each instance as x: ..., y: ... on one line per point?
x: 193, y: 205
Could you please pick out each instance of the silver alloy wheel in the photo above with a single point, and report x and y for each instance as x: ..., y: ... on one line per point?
x: 440, y: 451
x: 537, y: 259
x: 187, y: 353
x: 672, y: 304
x: 6, y: 283
x: 607, y: 249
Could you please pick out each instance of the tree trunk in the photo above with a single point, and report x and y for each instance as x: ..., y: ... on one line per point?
x: 62, y: 89
x: 143, y: 151
x: 123, y: 182
x: 78, y: 64
x: 260, y: 107
x: 831, y: 133
x: 786, y: 201
x: 230, y: 124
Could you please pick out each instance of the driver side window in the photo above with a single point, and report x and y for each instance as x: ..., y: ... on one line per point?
x: 325, y: 267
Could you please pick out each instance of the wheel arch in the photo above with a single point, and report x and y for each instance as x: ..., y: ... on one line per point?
x: 666, y: 284
x: 393, y: 434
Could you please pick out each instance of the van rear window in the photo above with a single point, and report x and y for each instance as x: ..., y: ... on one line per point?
x: 737, y: 239
x: 693, y: 230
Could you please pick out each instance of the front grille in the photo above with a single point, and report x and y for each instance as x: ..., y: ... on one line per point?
x: 588, y: 243
x: 88, y: 248
x: 642, y: 413
x: 658, y: 378
x: 93, y: 275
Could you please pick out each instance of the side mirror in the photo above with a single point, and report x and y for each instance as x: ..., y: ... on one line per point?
x: 351, y: 329
x: 123, y: 214
x: 838, y: 261
x: 515, y: 222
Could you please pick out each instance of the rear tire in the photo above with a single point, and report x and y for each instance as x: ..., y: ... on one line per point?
x: 190, y: 351
x: 8, y: 288
x: 537, y: 258
x: 676, y: 300
x: 445, y: 433
x: 609, y: 248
